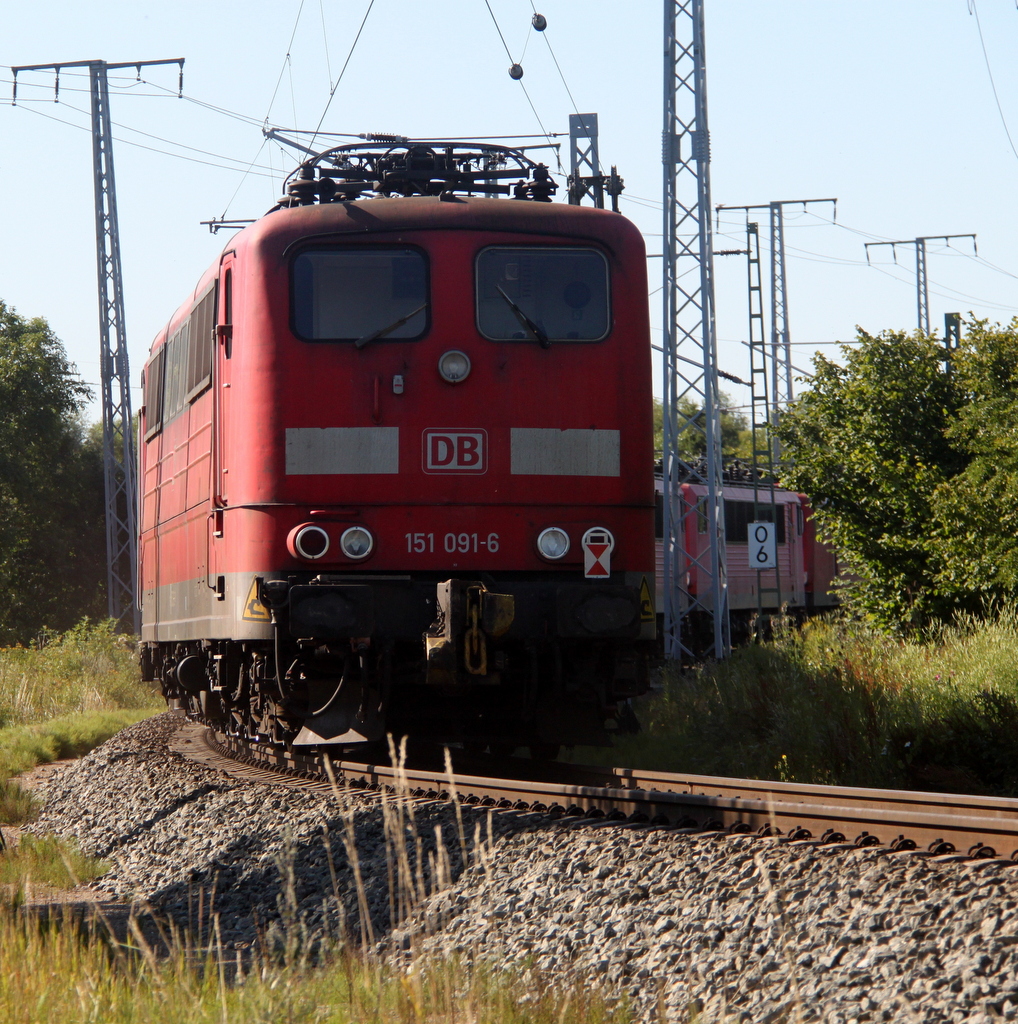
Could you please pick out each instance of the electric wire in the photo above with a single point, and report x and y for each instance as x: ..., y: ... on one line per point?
x: 815, y: 257
x: 975, y: 257
x: 226, y: 112
x: 286, y: 64
x: 163, y: 92
x: 244, y: 176
x: 139, y: 145
x: 993, y: 85
x: 991, y: 266
x: 286, y: 61
x: 638, y: 202
x: 289, y: 75
x: 526, y: 43
x: 499, y: 31
x: 250, y: 167
x: 537, y: 116
x: 955, y: 293
x: 544, y: 131
x: 643, y: 199
x: 346, y: 63
x: 325, y: 41
x: 159, y: 138
x: 565, y: 84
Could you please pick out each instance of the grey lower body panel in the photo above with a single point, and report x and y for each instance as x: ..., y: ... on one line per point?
x: 402, y: 609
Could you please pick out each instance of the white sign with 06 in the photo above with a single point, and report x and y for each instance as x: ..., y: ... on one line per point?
x: 763, y: 548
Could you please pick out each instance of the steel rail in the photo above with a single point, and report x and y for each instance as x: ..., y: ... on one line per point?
x: 978, y: 827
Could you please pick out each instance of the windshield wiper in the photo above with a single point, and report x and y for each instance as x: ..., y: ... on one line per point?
x: 525, y: 320
x: 383, y: 331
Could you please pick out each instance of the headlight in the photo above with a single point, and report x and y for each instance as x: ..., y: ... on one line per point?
x: 310, y: 542
x: 454, y: 366
x: 553, y: 543
x: 356, y: 542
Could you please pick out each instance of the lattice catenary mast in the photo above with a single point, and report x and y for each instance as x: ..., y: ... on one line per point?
x: 118, y: 441
x: 922, y: 284
x: 781, y: 387
x: 760, y: 415
x: 689, y: 349
x: 585, y: 177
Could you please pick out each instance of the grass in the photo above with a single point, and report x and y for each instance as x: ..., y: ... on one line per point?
x: 70, y: 693
x: 54, y: 966
x: 48, y: 860
x: 837, y: 702
x: 89, y: 669
x: 54, y: 969
x: 24, y: 746
x: 61, y: 698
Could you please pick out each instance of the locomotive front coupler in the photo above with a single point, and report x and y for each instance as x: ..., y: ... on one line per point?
x: 456, y: 643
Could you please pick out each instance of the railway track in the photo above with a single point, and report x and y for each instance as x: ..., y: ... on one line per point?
x: 936, y: 824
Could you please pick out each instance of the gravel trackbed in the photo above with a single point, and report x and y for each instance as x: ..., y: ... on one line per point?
x: 737, y: 928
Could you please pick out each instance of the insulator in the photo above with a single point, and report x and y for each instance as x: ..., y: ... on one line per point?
x: 540, y: 22
x: 326, y: 189
x: 303, y: 189
x: 516, y: 72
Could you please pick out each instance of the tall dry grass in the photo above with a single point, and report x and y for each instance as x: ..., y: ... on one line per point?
x: 88, y: 669
x: 835, y: 701
x: 55, y: 966
x: 62, y: 697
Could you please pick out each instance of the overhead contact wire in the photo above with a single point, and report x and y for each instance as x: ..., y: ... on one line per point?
x: 229, y: 203
x: 159, y: 138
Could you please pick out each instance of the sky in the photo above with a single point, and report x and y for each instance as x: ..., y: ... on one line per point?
x: 900, y: 109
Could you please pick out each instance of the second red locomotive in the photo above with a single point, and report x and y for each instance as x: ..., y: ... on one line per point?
x: 397, y: 463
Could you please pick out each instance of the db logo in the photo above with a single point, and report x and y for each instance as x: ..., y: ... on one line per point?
x: 455, y: 451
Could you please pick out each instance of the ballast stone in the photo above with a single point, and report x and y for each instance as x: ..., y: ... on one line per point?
x: 739, y: 929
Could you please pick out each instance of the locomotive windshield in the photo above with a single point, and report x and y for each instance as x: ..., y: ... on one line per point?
x: 360, y: 295
x: 542, y: 295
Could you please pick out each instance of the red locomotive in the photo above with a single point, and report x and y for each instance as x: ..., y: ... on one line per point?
x: 807, y: 568
x: 397, y: 462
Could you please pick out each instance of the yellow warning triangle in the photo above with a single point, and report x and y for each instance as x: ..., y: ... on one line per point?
x: 254, y: 610
x: 646, y: 603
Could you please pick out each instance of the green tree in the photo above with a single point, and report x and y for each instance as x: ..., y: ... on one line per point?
x: 912, y: 467
x: 52, y: 541
x: 976, y: 528
x: 736, y: 438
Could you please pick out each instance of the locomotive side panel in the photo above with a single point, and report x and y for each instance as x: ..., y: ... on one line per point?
x: 176, y: 467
